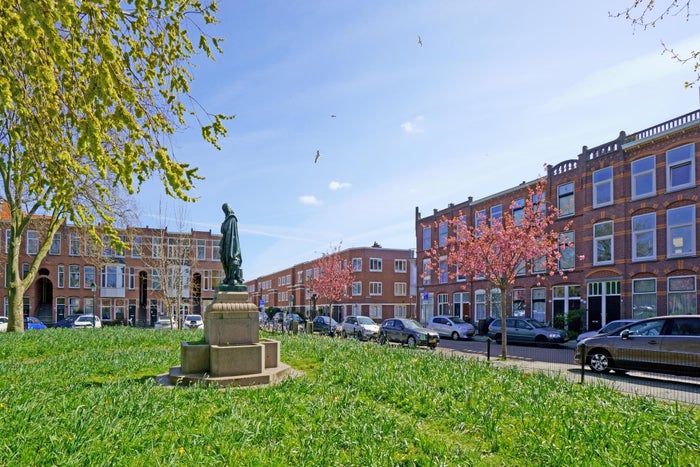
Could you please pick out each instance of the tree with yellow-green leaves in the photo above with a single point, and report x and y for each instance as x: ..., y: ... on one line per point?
x: 90, y: 94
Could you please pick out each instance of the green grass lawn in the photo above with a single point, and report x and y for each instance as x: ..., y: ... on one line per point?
x: 89, y: 397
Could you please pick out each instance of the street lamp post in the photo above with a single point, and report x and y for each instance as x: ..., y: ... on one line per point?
x: 93, y: 287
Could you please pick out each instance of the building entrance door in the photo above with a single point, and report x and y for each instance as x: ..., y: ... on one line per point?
x: 603, y: 303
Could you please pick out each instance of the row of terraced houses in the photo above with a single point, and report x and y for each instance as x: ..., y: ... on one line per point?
x: 631, y: 204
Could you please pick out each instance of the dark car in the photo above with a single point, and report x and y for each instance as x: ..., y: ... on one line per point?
x: 320, y: 325
x: 407, y: 331
x: 30, y: 322
x: 666, y: 344
x: 527, y: 331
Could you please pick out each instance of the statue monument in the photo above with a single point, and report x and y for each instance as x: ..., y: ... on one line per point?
x: 232, y: 353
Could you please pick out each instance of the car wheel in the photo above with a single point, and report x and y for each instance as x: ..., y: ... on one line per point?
x: 411, y: 341
x: 455, y: 336
x: 382, y: 339
x: 498, y: 339
x: 344, y: 334
x: 540, y: 341
x: 600, y: 361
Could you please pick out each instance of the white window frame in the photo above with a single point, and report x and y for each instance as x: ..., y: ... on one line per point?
x: 564, y: 192
x: 426, y: 271
x: 479, y: 304
x: 691, y: 292
x: 375, y: 311
x: 60, y: 276
x: 356, y: 265
x: 496, y: 214
x: 74, y: 244
x: 640, y: 172
x: 675, y: 160
x: 400, y: 265
x: 603, y: 182
x: 88, y: 271
x: 55, y: 249
x: 602, y: 238
x: 156, y: 247
x: 639, y: 292
x: 426, y: 238
x: 568, y: 252
x: 356, y: 289
x: 375, y: 289
x: 136, y: 247
x: 73, y: 276
x: 399, y: 289
x: 32, y: 242
x: 684, y: 225
x: 643, y: 231
x: 442, y: 234
x: 443, y: 277
x: 375, y: 265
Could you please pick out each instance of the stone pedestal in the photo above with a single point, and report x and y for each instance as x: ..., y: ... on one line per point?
x: 232, y: 353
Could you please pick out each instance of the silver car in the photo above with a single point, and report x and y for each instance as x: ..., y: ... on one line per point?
x: 527, y: 330
x: 612, y: 326
x: 451, y: 326
x: 360, y: 327
x: 667, y: 344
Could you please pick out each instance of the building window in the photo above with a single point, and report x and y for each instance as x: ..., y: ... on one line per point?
x: 644, y: 177
x: 73, y: 276
x: 7, y: 239
x: 89, y: 276
x: 136, y: 246
x: 518, y: 214
x: 61, y: 276
x: 426, y: 271
x: 443, y: 304
x: 518, y: 302
x: 538, y: 265
x: 155, y: 280
x: 565, y: 199
x: 426, y: 238
x: 681, y: 231
x: 682, y: 296
x: 375, y: 288
x: 567, y: 250
x: 603, y: 244
x: 496, y: 215
x: 480, y: 304
x: 106, y: 247
x: 32, y: 242
x: 300, y: 277
x: 172, y: 247
x: 442, y: 234
x: 460, y: 302
x: 479, y: 218
x: 495, y: 303
x: 356, y: 288
x: 25, y: 270
x: 156, y: 247
x: 206, y: 280
x: 400, y: 265
x: 375, y: 311
x: 603, y: 187
x: 375, y: 264
x: 520, y: 269
x: 643, y: 298
x: 400, y: 289
x: 73, y: 305
x: 442, y: 270
x: 60, y: 308
x: 644, y: 237
x: 399, y: 311
x: 132, y: 278
x: 113, y: 276
x: 680, y: 167
x: 55, y: 244
x: 538, y: 300
x: 356, y: 266
x: 119, y: 252
x: 201, y: 246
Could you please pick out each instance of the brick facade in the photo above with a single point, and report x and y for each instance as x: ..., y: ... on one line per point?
x: 384, y: 286
x: 640, y: 245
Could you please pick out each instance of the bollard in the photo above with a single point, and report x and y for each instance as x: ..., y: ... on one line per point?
x: 583, y: 360
x: 488, y: 349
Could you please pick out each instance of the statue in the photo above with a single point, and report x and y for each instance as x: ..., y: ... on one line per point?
x: 230, y: 248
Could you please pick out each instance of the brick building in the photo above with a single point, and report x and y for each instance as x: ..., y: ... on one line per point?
x: 160, y: 272
x: 632, y: 202
x: 383, y: 286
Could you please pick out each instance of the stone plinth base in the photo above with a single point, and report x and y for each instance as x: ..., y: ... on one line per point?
x: 232, y: 353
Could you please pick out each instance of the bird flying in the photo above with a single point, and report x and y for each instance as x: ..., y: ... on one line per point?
x: 420, y: 42
x: 318, y: 154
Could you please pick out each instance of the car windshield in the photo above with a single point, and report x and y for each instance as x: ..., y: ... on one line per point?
x: 612, y: 327
x: 457, y: 320
x: 535, y: 324
x: 412, y: 324
x: 192, y: 318
x: 364, y: 320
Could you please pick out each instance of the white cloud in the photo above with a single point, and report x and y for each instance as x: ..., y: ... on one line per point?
x: 338, y: 185
x: 413, y: 126
x: 310, y: 199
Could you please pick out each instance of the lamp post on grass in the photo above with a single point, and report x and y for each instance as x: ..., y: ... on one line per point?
x: 93, y: 287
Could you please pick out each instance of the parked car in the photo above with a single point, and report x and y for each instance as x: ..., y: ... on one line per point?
x: 320, y: 325
x: 612, y: 326
x: 451, y: 326
x: 288, y: 318
x: 79, y: 321
x: 30, y: 322
x: 3, y: 323
x: 359, y: 327
x: 193, y: 322
x: 407, y: 331
x: 666, y: 344
x: 165, y: 323
x: 528, y: 331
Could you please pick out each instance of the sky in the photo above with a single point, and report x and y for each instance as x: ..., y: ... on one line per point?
x: 495, y: 91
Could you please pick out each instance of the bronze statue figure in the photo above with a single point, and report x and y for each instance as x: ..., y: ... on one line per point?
x: 230, y: 248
